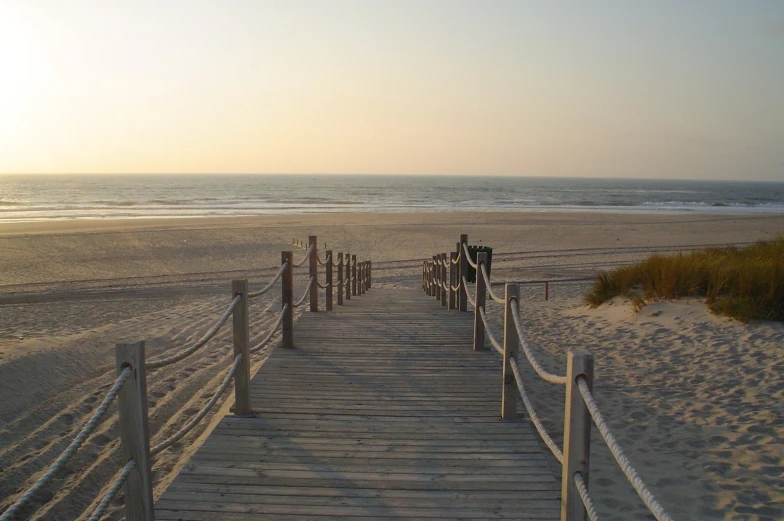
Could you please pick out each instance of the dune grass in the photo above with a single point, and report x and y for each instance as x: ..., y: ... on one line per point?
x: 746, y: 284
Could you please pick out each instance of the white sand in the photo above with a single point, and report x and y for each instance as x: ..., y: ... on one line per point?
x: 694, y: 399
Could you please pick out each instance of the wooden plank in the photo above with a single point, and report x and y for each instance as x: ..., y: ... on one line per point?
x: 383, y: 411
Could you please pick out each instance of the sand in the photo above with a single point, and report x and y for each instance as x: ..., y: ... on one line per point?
x: 694, y: 399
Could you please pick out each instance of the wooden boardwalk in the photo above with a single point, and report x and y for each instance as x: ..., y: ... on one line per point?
x: 382, y: 411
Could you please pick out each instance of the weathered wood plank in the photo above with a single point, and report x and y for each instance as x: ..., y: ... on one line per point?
x: 382, y: 411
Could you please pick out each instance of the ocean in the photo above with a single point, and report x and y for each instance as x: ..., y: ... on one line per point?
x: 58, y: 197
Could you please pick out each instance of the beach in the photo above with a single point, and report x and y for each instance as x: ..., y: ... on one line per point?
x: 694, y: 399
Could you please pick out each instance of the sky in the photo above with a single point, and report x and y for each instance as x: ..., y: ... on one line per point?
x: 657, y: 89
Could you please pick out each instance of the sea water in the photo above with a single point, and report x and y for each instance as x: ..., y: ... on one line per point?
x: 56, y: 197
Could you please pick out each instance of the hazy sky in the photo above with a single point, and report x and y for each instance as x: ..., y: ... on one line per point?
x: 679, y: 88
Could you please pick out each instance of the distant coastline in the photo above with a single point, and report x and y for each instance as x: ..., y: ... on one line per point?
x: 90, y: 196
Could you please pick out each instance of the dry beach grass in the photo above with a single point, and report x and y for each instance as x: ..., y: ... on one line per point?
x: 694, y: 399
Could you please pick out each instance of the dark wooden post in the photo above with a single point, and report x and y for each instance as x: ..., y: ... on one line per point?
x: 436, y: 278
x: 287, y: 297
x: 340, y: 279
x: 135, y: 432
x: 347, y: 260
x: 463, y: 298
x: 354, y: 275
x: 547, y: 291
x: 577, y: 435
x: 329, y: 280
x: 313, y: 272
x: 452, y: 280
x: 443, y: 279
x: 481, y: 294
x: 370, y: 275
x: 241, y: 341
x: 511, y: 342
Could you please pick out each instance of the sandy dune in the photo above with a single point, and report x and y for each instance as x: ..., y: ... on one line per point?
x: 694, y: 399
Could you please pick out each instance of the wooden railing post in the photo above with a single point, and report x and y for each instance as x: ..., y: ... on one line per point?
x: 241, y: 341
x: 443, y: 278
x: 340, y: 279
x: 354, y: 275
x: 287, y: 297
x: 347, y: 260
x: 135, y: 432
x: 452, y: 279
x: 577, y: 435
x: 481, y: 293
x: 547, y: 291
x: 361, y: 278
x: 463, y: 293
x: 313, y: 272
x: 436, y: 277
x: 370, y: 275
x: 511, y: 343
x: 329, y: 280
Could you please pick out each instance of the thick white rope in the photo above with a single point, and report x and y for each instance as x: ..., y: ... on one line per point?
x: 69, y: 451
x: 467, y: 294
x: 325, y: 286
x: 306, y: 257
x: 639, y: 485
x: 163, y: 362
x: 112, y: 492
x: 457, y: 259
x: 532, y: 413
x: 498, y: 347
x: 548, y: 377
x: 271, y: 333
x: 171, y: 440
x: 268, y: 287
x: 499, y: 300
x: 582, y: 489
x: 304, y: 295
x: 468, y: 256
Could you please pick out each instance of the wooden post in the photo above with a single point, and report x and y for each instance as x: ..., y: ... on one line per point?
x: 577, y: 435
x: 463, y: 295
x: 426, y: 278
x: 340, y: 279
x: 329, y: 280
x: 436, y: 278
x: 443, y: 279
x: 361, y: 277
x: 354, y: 275
x: 370, y: 275
x: 287, y: 297
x: 481, y: 293
x: 511, y: 343
x: 313, y: 272
x: 135, y: 432
x: 547, y: 291
x: 241, y: 341
x: 347, y: 260
x: 452, y: 280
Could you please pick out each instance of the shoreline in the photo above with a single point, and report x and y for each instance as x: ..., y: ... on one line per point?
x: 87, y: 225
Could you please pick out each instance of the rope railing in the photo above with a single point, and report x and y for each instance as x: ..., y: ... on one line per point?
x: 130, y: 383
x: 496, y: 298
x: 177, y: 436
x: 546, y: 376
x: 269, y: 286
x: 548, y: 440
x: 305, y: 294
x: 468, y: 256
x: 581, y: 408
x: 272, y: 332
x: 631, y: 474
x: 468, y: 295
x: 582, y: 489
x: 163, y: 362
x: 69, y: 451
x: 119, y: 481
x: 305, y: 258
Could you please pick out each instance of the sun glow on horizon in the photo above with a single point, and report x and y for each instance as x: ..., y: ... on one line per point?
x: 504, y: 88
